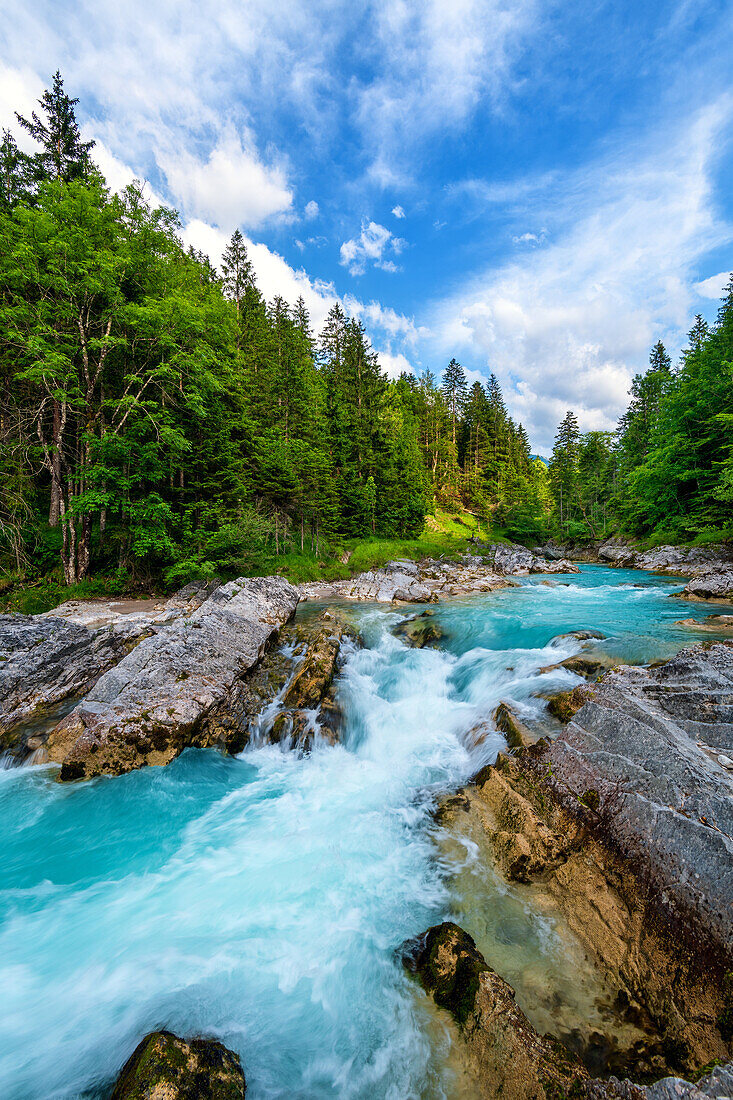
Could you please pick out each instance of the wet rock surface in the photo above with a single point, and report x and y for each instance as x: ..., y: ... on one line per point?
x: 152, y: 705
x: 290, y: 696
x: 665, y: 983
x: 509, y: 1057
x: 419, y: 631
x: 430, y: 579
x: 653, y: 739
x: 164, y: 1067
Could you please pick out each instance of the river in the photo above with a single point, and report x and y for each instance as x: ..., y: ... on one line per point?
x: 263, y: 898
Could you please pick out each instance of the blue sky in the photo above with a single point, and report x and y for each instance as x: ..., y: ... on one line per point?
x: 540, y: 189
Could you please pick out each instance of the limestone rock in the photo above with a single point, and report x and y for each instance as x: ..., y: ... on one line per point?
x: 710, y: 586
x: 430, y: 579
x: 44, y: 660
x: 152, y: 705
x: 164, y: 1067
x: 653, y: 736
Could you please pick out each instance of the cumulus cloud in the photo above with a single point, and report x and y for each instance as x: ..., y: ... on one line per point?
x: 398, y: 212
x: 231, y: 186
x: 311, y: 210
x: 570, y: 325
x: 375, y: 245
x: 394, y: 365
x: 714, y: 286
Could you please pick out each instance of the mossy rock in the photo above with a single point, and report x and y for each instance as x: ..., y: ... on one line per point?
x: 419, y: 631
x: 566, y: 704
x: 449, y: 966
x: 164, y: 1067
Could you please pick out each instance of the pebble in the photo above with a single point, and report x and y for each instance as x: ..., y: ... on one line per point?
x: 725, y: 761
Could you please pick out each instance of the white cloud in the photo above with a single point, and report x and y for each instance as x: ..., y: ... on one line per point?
x: 230, y: 187
x: 20, y: 90
x: 394, y: 365
x: 531, y: 238
x: 714, y: 286
x: 575, y: 320
x: 311, y: 210
x: 398, y: 212
x: 374, y: 245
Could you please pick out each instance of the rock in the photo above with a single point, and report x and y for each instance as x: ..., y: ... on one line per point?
x: 616, y: 551
x: 153, y: 704
x: 313, y: 678
x: 659, y: 973
x: 651, y: 738
x: 714, y: 624
x: 164, y: 1067
x: 710, y: 586
x: 510, y: 1058
x: 518, y: 735
x: 44, y: 660
x: 429, y: 580
x: 419, y: 631
x: 564, y: 704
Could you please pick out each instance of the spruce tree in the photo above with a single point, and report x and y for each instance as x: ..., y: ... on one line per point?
x: 63, y: 155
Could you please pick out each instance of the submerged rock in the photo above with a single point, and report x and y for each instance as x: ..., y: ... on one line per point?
x: 714, y: 624
x: 164, y: 1067
x: 420, y: 631
x: 509, y: 1058
x: 154, y: 703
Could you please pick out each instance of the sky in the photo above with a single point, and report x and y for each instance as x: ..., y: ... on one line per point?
x: 540, y: 188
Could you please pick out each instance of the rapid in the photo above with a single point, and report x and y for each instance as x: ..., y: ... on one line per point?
x: 263, y: 899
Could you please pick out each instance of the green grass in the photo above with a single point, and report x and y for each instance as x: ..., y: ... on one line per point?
x: 445, y: 535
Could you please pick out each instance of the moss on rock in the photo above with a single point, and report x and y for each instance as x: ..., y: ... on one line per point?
x: 164, y: 1067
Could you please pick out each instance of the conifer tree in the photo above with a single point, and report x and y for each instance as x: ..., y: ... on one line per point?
x: 63, y: 155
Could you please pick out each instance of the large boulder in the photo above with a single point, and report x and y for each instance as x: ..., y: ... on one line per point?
x: 164, y: 1067
x: 152, y: 705
x: 45, y: 660
x: 710, y: 586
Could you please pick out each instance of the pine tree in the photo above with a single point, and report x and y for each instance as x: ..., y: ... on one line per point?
x: 63, y: 155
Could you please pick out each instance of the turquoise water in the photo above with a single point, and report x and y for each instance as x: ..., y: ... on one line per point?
x: 262, y: 898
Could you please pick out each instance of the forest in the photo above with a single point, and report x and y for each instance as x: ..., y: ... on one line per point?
x: 160, y: 421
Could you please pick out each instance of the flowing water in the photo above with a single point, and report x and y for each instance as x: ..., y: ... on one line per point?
x: 263, y: 899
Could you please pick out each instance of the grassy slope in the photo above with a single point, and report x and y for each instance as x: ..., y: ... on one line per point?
x: 444, y: 534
